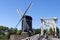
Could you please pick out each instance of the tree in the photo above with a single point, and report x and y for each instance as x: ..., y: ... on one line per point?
x: 50, y: 31
x: 19, y: 32
x: 57, y: 30
x: 37, y: 31
x: 3, y: 30
x: 45, y: 30
x: 12, y: 31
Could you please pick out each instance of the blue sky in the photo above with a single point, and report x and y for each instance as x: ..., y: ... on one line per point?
x: 40, y: 8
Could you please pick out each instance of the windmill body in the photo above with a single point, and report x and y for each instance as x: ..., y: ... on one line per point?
x: 28, y: 20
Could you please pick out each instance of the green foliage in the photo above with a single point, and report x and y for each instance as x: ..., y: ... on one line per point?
x: 57, y: 30
x: 12, y: 31
x: 5, y: 32
x: 19, y: 32
x: 50, y: 31
x: 45, y: 30
x: 37, y: 31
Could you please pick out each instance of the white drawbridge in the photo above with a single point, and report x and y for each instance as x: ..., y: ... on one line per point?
x: 51, y: 22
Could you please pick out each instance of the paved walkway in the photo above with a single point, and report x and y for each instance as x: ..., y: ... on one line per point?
x: 37, y: 37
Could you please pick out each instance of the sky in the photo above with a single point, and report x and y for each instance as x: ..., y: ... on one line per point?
x: 40, y: 8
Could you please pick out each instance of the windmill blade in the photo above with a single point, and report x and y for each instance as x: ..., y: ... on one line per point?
x: 18, y: 22
x: 19, y: 12
x: 23, y: 14
x: 19, y: 15
x: 27, y: 9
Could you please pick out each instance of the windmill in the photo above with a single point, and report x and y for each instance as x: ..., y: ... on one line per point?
x: 23, y: 17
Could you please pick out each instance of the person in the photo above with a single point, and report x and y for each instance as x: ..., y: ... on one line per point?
x: 53, y: 33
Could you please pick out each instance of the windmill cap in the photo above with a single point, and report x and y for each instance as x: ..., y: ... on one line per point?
x: 28, y: 17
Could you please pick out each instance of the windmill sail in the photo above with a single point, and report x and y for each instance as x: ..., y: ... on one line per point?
x: 24, y: 13
x: 19, y: 12
x: 27, y: 9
